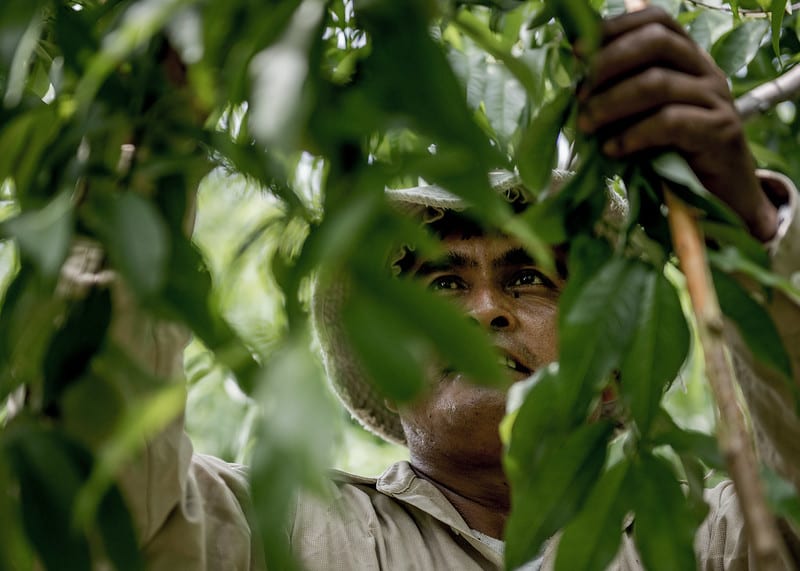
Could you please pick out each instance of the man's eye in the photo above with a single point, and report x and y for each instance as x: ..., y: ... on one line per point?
x: 444, y: 283
x: 530, y: 277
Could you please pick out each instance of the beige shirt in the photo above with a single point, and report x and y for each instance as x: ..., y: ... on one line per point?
x: 190, y: 509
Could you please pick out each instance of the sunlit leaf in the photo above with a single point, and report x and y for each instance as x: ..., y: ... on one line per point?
x: 537, y: 150
x: 737, y: 48
x: 296, y: 443
x: 660, y: 345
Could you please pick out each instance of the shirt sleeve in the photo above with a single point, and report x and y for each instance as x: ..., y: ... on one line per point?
x: 188, y: 509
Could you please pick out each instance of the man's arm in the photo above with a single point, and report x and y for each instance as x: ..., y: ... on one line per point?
x: 187, y: 509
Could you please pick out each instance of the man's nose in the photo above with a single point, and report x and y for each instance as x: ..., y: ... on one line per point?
x: 491, y: 310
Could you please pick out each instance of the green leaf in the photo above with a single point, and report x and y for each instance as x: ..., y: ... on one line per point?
x: 44, y: 235
x: 777, y: 10
x: 580, y: 21
x: 592, y: 539
x: 665, y: 524
x: 282, y: 76
x: 386, y: 346
x: 755, y: 326
x: 740, y: 239
x: 296, y: 441
x: 731, y: 260
x: 737, y: 48
x: 673, y: 167
x: 537, y: 151
x: 780, y: 494
x: 74, y: 345
x: 444, y: 324
x: 660, y: 345
x: 49, y: 474
x: 137, y: 240
x: 565, y: 475
x: 119, y: 536
x: 596, y: 330
x: 690, y: 443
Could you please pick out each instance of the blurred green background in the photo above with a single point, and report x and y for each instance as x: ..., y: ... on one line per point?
x: 233, y: 230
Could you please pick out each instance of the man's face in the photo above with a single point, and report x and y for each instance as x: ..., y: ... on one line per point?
x: 495, y: 282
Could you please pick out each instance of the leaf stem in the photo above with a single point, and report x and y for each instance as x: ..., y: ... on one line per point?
x: 768, y: 549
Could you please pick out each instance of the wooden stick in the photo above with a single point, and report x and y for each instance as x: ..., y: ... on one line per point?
x: 766, y: 544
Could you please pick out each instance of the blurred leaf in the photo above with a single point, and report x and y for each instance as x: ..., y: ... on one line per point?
x: 781, y: 495
x: 537, y: 152
x: 49, y: 474
x: 137, y: 240
x: 281, y: 76
x: 660, y: 345
x: 674, y: 168
x: 755, y: 326
x: 14, y: 549
x: 141, y: 21
x: 580, y: 21
x: 119, y: 536
x: 730, y: 260
x: 141, y: 421
x: 665, y: 524
x: 295, y: 444
x: 16, y: 74
x: 739, y: 238
x: 43, y: 235
x: 504, y: 100
x: 23, y: 139
x: 686, y: 442
x: 737, y: 48
x: 74, y: 344
x: 386, y: 345
x: 591, y: 540
x: 442, y: 323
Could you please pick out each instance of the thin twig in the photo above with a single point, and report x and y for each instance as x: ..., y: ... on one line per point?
x: 767, y: 547
x: 766, y: 544
x: 767, y: 95
x: 743, y: 11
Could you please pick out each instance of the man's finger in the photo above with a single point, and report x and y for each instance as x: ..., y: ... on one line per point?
x: 619, y: 25
x: 653, y: 44
x: 685, y: 127
x: 647, y: 92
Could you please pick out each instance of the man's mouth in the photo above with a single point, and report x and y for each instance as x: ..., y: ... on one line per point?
x: 511, y: 363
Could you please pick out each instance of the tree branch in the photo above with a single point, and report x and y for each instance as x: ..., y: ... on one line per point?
x: 769, y: 551
x: 767, y: 95
x: 766, y: 544
x: 744, y: 11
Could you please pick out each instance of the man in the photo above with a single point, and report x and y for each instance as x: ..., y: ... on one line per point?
x: 650, y: 88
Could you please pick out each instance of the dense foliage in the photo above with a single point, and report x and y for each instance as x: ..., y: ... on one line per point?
x: 113, y: 111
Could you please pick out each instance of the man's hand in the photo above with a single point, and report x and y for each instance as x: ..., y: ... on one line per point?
x: 651, y: 88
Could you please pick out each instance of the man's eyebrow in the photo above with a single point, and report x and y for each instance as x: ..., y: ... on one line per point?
x: 514, y: 257
x: 451, y: 261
